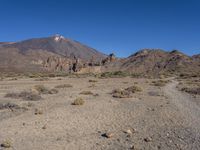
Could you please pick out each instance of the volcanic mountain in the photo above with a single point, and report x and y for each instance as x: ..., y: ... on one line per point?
x: 30, y: 54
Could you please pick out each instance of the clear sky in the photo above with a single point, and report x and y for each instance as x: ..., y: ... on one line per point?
x: 119, y: 26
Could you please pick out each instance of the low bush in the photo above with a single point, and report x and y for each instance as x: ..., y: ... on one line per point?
x: 121, y: 93
x: 86, y: 93
x: 78, y: 101
x: 160, y: 82
x: 93, y: 81
x: 134, y: 89
x: 125, y: 93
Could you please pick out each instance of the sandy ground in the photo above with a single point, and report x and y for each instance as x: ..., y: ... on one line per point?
x: 158, y: 117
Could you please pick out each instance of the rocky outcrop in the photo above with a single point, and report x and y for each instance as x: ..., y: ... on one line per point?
x: 109, y: 59
x: 62, y: 64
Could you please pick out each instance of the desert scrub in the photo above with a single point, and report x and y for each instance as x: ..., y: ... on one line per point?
x: 78, y: 101
x: 41, y: 89
x: 160, y: 82
x: 6, y: 144
x: 86, y: 93
x: 53, y: 91
x: 121, y: 93
x: 93, y: 81
x: 134, y: 89
x: 25, y: 95
x: 116, y: 74
x: 191, y: 90
x: 125, y: 93
x: 9, y: 106
x: 62, y: 86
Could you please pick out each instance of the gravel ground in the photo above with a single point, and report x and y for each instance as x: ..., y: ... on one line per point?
x: 156, y: 118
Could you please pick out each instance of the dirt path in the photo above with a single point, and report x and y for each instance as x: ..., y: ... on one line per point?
x: 189, y: 109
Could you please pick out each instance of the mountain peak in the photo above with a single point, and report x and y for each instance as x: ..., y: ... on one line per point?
x: 58, y: 37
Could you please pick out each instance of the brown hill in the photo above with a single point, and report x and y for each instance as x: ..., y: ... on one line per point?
x: 156, y: 61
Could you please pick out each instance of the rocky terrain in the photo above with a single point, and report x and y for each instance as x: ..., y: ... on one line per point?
x: 98, y: 113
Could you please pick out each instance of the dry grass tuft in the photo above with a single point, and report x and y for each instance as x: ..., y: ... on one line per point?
x: 86, y: 93
x: 78, y: 101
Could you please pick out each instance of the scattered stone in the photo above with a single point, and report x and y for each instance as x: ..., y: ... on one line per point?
x: 44, y: 127
x: 96, y: 95
x: 108, y: 135
x: 147, y: 139
x: 128, y: 131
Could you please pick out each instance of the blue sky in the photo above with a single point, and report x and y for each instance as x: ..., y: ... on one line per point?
x: 119, y: 26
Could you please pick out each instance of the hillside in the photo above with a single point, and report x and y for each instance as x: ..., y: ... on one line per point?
x: 156, y: 61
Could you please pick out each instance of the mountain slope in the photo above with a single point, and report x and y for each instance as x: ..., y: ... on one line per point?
x: 156, y: 61
x: 58, y: 45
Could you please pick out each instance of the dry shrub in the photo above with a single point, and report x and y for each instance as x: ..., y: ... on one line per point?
x: 9, y: 106
x: 86, y: 93
x: 116, y: 74
x: 160, y: 82
x: 93, y: 81
x: 134, y: 89
x: 41, y: 89
x: 125, y: 93
x: 62, y: 86
x: 53, y: 91
x: 78, y: 101
x: 29, y: 96
x: 191, y: 90
x: 121, y: 93
x: 6, y: 144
